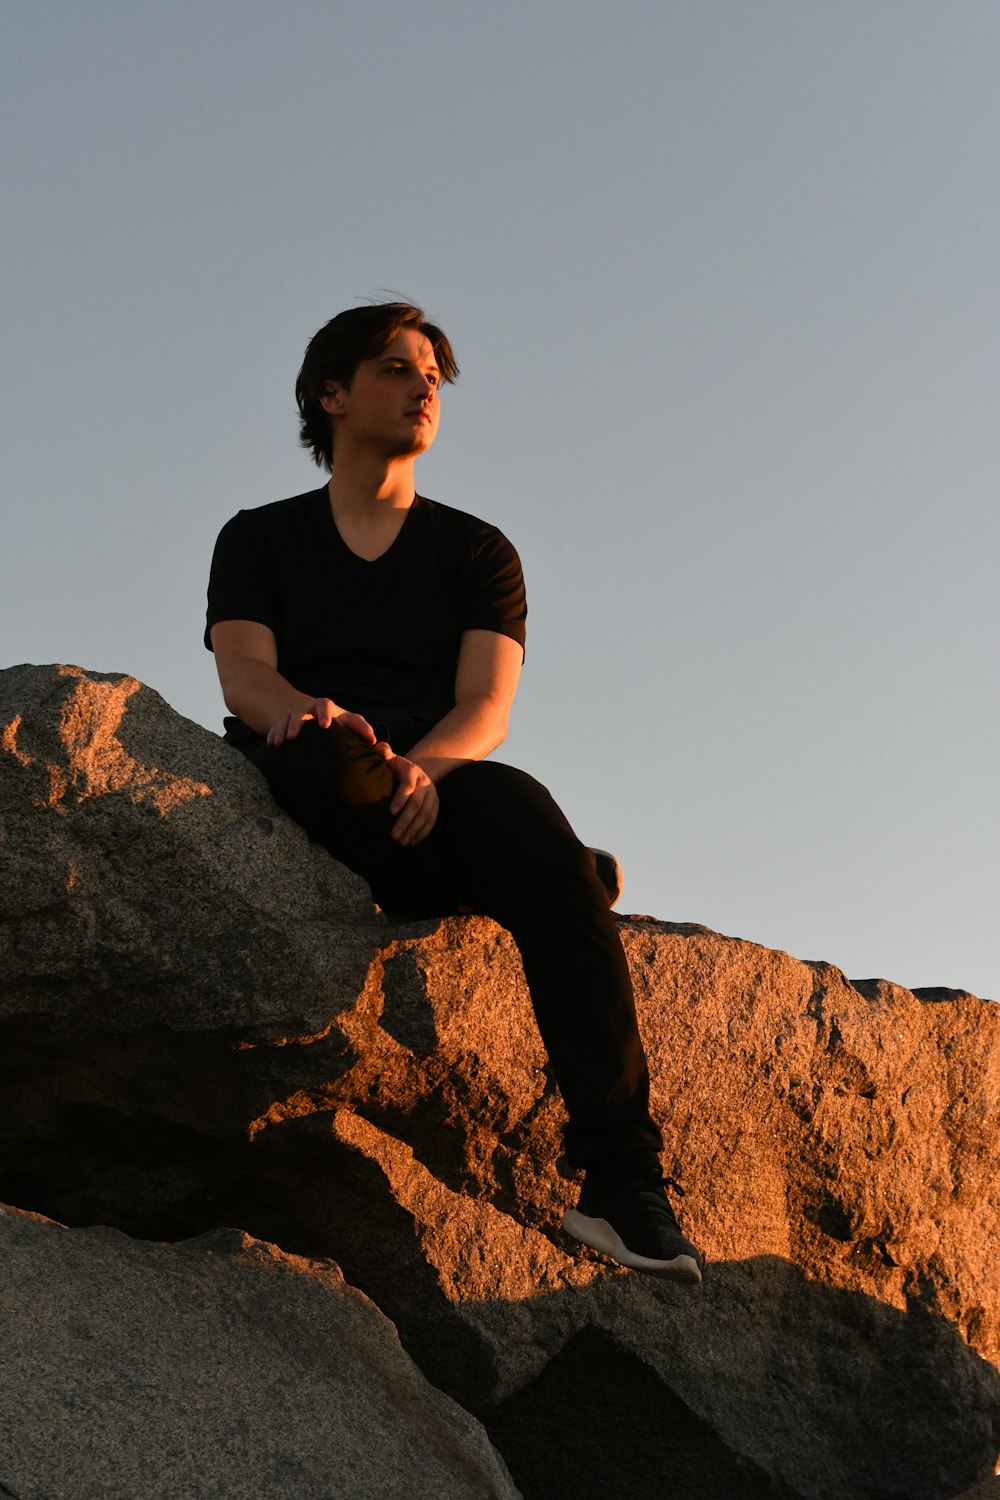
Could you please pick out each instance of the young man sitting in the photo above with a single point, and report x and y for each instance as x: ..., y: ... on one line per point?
x: 369, y: 643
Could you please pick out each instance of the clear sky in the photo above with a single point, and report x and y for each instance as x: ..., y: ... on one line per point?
x: 722, y: 280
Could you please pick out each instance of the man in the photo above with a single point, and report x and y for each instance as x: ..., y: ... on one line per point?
x: 369, y: 642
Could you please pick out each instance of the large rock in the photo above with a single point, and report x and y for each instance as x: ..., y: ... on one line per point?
x: 148, y: 874
x: 216, y: 1367
x: 378, y: 1095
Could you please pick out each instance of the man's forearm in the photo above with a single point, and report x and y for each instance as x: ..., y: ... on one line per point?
x: 258, y: 694
x: 468, y: 732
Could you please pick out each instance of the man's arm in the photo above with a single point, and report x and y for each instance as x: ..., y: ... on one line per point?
x: 489, y: 665
x: 246, y: 656
x: 486, y: 678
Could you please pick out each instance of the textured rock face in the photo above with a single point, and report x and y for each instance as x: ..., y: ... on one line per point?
x: 139, y: 869
x: 377, y: 1096
x: 219, y: 1366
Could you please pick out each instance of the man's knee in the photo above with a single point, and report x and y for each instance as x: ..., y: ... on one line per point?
x: 326, y: 763
x: 516, y: 824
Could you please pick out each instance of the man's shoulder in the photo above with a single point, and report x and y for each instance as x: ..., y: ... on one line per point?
x: 278, y: 515
x: 461, y: 524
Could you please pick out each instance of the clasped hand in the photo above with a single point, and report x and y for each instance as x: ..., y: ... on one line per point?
x: 415, y: 799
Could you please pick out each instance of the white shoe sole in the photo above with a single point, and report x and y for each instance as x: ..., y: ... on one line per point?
x: 599, y: 1235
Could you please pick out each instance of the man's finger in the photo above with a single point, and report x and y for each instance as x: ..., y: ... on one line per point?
x: 418, y: 818
x: 359, y: 725
x: 408, y: 809
x: 418, y: 830
x: 403, y: 794
x: 408, y: 830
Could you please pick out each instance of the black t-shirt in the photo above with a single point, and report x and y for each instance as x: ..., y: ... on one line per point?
x: 380, y: 638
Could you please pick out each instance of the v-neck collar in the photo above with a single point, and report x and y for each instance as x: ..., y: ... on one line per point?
x: 396, y: 545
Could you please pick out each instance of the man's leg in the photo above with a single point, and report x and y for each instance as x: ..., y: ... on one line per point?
x: 517, y: 859
x: 338, y: 789
x: 502, y: 846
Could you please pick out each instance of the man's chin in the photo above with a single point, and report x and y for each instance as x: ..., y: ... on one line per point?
x: 411, y: 447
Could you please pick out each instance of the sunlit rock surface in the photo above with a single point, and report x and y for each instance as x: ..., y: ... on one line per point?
x: 206, y: 1023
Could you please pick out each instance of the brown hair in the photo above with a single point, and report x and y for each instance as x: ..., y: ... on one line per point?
x: 335, y: 352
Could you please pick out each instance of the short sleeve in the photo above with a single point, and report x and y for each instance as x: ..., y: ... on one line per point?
x: 495, y: 597
x: 241, y: 584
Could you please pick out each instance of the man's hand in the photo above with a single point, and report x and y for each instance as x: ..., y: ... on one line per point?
x: 415, y: 800
x: 324, y: 712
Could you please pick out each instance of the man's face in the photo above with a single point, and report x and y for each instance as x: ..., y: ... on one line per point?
x: 392, y: 405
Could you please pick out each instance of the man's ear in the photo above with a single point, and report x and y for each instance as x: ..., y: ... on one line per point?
x: 332, y: 399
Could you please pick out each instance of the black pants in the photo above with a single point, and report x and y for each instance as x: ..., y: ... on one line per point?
x: 502, y: 847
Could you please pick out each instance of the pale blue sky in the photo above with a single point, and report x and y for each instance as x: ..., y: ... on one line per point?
x: 721, y: 278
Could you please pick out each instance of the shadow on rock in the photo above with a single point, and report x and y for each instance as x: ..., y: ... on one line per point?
x: 763, y: 1383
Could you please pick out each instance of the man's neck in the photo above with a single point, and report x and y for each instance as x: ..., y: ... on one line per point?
x: 370, y: 503
x: 366, y: 489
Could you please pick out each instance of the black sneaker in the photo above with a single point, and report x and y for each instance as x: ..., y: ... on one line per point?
x: 632, y: 1222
